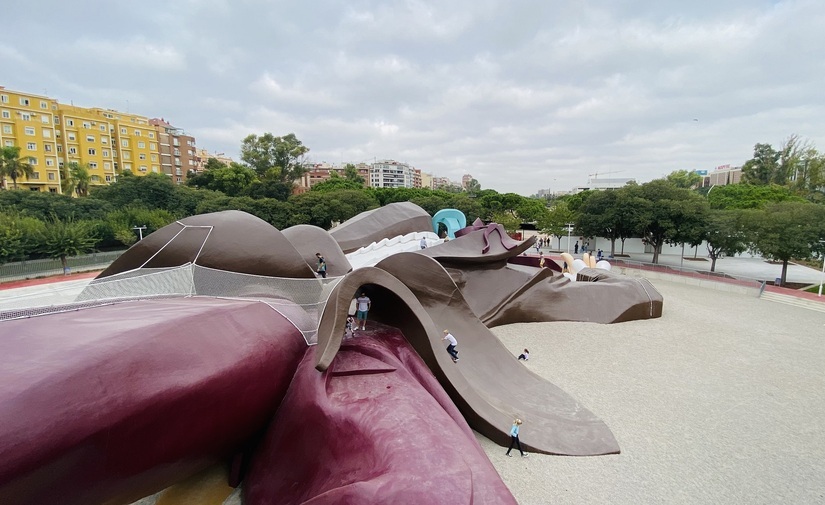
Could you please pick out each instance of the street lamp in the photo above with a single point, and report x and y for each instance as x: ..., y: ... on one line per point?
x: 569, y: 230
x: 823, y: 270
x: 140, y: 230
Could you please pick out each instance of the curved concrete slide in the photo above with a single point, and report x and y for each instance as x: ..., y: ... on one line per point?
x: 493, y: 386
x: 488, y: 385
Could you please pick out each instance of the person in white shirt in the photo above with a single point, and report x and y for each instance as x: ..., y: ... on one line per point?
x: 363, y: 305
x: 453, y: 343
x: 525, y: 355
x: 423, y: 243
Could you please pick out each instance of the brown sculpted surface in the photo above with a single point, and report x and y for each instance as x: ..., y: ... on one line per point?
x: 108, y: 404
x: 384, y: 222
x: 309, y: 240
x: 230, y: 240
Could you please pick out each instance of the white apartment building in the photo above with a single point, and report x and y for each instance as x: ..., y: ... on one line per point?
x: 391, y: 174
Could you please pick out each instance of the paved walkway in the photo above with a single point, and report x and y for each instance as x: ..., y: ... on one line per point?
x: 719, y: 401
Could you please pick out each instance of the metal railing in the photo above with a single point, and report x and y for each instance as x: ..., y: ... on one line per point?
x: 32, y: 269
x: 720, y: 277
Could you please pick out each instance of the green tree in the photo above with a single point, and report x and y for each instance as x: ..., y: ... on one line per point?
x: 152, y: 191
x: 42, y: 205
x: 76, y: 179
x: 684, y: 179
x: 749, y: 196
x: 337, y: 183
x: 276, y: 158
x: 615, y: 215
x: 62, y: 239
x: 351, y: 174
x: 787, y: 230
x: 557, y: 219
x: 473, y: 187
x: 13, y: 166
x: 762, y: 168
x: 232, y: 180
x: 726, y: 234
x: 666, y: 211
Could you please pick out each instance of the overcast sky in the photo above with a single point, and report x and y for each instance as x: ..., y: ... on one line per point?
x: 523, y: 95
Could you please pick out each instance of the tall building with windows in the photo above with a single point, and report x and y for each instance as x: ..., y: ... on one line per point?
x: 391, y: 174
x: 178, y: 153
x: 29, y: 122
x: 108, y: 142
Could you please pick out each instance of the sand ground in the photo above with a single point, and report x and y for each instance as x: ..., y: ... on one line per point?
x: 719, y: 401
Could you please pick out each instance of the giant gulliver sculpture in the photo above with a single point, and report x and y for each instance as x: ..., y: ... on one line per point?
x: 109, y: 403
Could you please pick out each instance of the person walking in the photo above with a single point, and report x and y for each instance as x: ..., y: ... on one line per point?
x: 541, y: 260
x: 576, y: 248
x: 453, y: 343
x: 514, y: 441
x: 363, y: 304
x: 321, y: 266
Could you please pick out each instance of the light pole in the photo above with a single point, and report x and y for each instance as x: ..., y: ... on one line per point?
x: 569, y: 230
x: 140, y: 230
x: 823, y: 270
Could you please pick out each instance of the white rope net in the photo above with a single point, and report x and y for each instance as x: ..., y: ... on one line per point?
x: 301, y: 301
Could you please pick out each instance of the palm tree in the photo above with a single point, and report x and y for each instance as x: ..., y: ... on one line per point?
x: 77, y: 179
x: 13, y: 166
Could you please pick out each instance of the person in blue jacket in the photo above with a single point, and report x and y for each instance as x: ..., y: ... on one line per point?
x: 514, y: 439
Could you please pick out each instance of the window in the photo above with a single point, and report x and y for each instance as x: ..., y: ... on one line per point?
x: 44, y: 105
x: 4, y: 98
x: 107, y: 165
x: 153, y: 146
x: 103, y: 127
x: 124, y: 143
x: 72, y: 150
x: 151, y: 135
x: 32, y: 162
x: 123, y: 131
x: 127, y: 166
x: 56, y: 120
x: 29, y: 130
x: 26, y: 116
x: 90, y: 138
x: 92, y: 152
x: 50, y: 163
x: 155, y: 168
x: 142, y: 156
x: 31, y: 146
x: 104, y: 140
x: 9, y: 143
x: 127, y: 155
x: 7, y: 129
x: 24, y: 101
x: 6, y: 114
x: 105, y: 153
x: 52, y: 190
x: 178, y: 179
x: 70, y: 122
x: 143, y: 168
x: 86, y: 125
x: 45, y: 119
x: 47, y: 148
x: 34, y: 188
x: 137, y: 133
x: 51, y: 174
x: 154, y: 157
x: 59, y: 148
x: 95, y: 178
x: 72, y: 136
x: 141, y: 145
x: 108, y: 178
x: 93, y: 165
x: 47, y: 134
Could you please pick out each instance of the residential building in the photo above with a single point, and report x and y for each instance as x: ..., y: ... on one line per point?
x: 178, y: 153
x: 29, y: 121
x: 426, y: 180
x: 203, y: 155
x: 106, y: 141
x: 391, y: 174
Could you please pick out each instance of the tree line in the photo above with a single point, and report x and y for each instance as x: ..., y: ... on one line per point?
x: 779, y: 221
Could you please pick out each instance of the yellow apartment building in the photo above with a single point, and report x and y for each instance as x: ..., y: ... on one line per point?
x: 29, y: 122
x: 52, y: 135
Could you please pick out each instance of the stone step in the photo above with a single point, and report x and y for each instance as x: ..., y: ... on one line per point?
x: 795, y: 301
